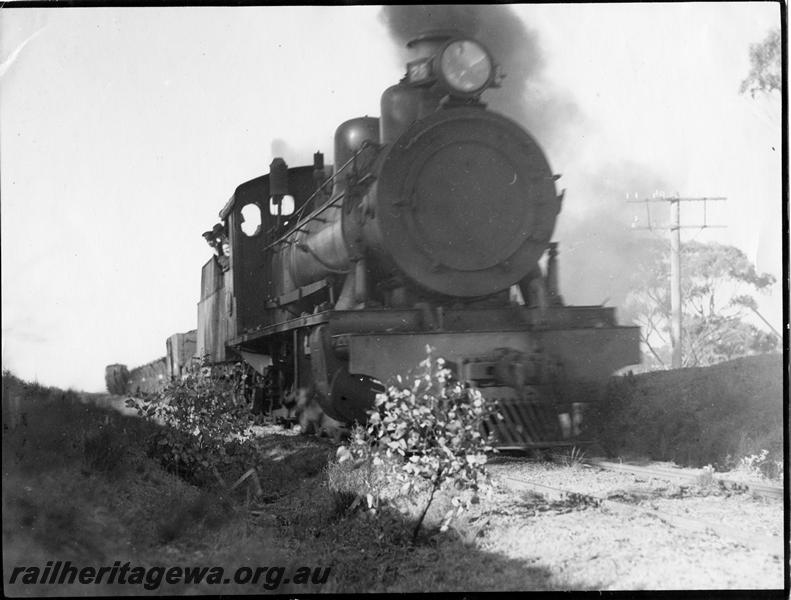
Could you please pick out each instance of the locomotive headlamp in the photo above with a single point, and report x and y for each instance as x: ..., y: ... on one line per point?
x: 465, y: 66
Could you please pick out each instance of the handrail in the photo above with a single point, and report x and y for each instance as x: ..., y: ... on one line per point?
x: 326, y: 205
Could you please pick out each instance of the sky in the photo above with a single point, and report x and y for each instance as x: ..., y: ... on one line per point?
x: 123, y: 131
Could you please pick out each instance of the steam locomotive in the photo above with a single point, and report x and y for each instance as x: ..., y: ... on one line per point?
x: 433, y: 228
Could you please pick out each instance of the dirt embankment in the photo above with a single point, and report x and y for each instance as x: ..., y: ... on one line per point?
x: 696, y: 416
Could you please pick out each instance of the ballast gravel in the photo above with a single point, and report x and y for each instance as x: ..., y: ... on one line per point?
x: 649, y: 533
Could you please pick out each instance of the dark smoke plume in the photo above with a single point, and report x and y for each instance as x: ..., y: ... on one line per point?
x: 512, y: 44
x: 496, y: 26
x: 596, y: 243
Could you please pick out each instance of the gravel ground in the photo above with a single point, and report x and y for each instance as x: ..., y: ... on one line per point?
x: 646, y: 537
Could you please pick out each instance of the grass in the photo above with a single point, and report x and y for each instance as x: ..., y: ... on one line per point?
x: 103, y: 451
x: 573, y: 457
x: 706, y: 478
x: 80, y: 484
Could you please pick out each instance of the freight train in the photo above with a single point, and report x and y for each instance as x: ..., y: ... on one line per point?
x: 432, y: 228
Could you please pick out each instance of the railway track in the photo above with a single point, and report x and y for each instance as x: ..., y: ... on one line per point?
x: 554, y: 494
x: 629, y: 507
x: 673, y: 474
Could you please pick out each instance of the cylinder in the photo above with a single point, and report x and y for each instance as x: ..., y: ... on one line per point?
x: 319, y: 252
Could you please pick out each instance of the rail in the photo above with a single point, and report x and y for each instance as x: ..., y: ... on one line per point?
x: 766, y: 491
x: 770, y: 544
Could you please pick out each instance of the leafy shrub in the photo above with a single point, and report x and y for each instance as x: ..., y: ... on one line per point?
x: 433, y: 430
x: 201, y: 415
x: 761, y: 465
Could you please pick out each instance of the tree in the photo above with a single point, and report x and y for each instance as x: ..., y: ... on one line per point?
x: 765, y: 72
x: 716, y: 286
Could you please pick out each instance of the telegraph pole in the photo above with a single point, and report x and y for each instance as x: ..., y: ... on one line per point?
x: 675, y: 282
x: 675, y: 228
